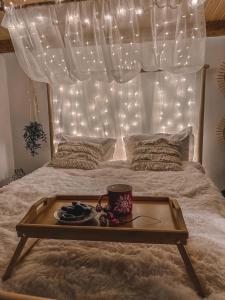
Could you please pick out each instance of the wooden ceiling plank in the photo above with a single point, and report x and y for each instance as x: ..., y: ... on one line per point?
x: 208, y: 8
x: 211, y: 6
x: 214, y: 10
x: 222, y: 11
x: 216, y: 15
x: 21, y: 2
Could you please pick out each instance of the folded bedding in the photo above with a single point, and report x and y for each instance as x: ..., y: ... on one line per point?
x: 69, y: 270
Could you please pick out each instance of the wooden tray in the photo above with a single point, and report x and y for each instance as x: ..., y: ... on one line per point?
x: 170, y: 228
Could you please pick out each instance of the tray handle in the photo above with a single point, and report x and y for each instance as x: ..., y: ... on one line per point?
x: 36, y: 208
x: 175, y: 204
x: 41, y: 204
x: 178, y: 214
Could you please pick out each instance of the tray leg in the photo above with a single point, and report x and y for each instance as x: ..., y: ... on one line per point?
x: 190, y: 269
x: 17, y: 256
x: 30, y: 244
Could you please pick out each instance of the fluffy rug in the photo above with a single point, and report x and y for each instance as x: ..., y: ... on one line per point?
x: 96, y: 271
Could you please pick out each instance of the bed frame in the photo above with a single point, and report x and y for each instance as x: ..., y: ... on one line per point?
x: 200, y: 124
x: 201, y: 115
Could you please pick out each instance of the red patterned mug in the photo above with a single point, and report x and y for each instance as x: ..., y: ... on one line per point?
x: 119, y: 199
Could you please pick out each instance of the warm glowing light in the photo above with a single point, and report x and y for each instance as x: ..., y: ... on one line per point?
x: 139, y: 11
x: 87, y: 21
x: 194, y: 2
x: 121, y: 11
x: 108, y: 17
x: 180, y: 126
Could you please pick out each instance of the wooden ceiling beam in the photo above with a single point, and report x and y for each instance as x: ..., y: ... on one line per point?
x: 215, y: 28
x: 6, y: 46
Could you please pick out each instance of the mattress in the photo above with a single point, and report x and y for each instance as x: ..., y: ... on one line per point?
x: 96, y: 270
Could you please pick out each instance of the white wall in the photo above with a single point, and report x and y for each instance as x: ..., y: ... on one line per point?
x: 6, y: 146
x: 214, y: 155
x: 18, y: 85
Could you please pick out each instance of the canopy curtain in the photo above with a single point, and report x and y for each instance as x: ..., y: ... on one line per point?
x: 92, y: 52
x: 107, y: 40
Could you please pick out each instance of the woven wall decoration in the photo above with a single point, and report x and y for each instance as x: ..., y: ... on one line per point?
x: 220, y: 128
x: 221, y: 77
x: 220, y: 132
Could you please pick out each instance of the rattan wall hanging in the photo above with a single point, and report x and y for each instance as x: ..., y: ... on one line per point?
x: 220, y: 128
x: 221, y: 77
x: 220, y: 132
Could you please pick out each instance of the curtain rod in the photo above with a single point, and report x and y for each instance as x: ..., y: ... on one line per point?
x: 49, y: 2
x: 160, y: 70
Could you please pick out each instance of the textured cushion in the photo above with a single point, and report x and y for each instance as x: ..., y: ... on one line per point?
x: 159, y: 155
x: 184, y: 138
x: 108, y: 144
x: 77, y: 155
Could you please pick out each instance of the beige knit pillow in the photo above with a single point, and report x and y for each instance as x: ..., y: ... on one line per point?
x: 159, y: 155
x: 77, y: 155
x: 108, y: 144
x: 184, y: 138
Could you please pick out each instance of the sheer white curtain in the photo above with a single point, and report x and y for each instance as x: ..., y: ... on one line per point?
x: 151, y: 102
x: 107, y: 39
x: 93, y: 108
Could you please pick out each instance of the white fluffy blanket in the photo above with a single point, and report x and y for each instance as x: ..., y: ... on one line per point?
x: 70, y: 270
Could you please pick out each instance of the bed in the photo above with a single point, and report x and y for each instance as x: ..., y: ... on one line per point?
x: 96, y: 270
